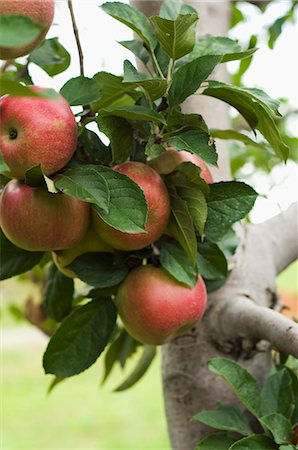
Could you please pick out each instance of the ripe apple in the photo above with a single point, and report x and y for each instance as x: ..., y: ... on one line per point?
x: 41, y: 11
x: 171, y: 158
x: 158, y: 201
x: 91, y: 242
x: 36, y: 130
x: 35, y: 220
x: 155, y: 308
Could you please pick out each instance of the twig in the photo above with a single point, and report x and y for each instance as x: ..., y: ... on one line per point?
x: 76, y: 34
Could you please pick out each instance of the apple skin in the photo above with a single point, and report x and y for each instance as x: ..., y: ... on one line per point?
x: 171, y: 158
x: 35, y: 220
x: 90, y: 242
x: 158, y: 201
x: 155, y: 308
x: 35, y: 130
x: 41, y: 11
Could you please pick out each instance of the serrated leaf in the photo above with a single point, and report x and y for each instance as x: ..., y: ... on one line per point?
x: 189, y: 77
x: 195, y: 141
x: 80, y: 339
x: 229, y: 49
x: 277, y: 394
x: 137, y: 48
x: 99, y: 269
x: 143, y: 364
x: 51, y: 56
x: 218, y: 441
x: 212, y: 263
x: 258, y: 441
x: 58, y: 294
x: 155, y: 87
x: 176, y: 37
x: 120, y: 133
x: 256, y: 107
x: 174, y: 259
x: 242, y: 382
x: 80, y: 91
x: 27, y: 30
x: 15, y: 260
x: 134, y: 112
x: 133, y: 18
x: 235, y: 136
x: 279, y: 426
x: 225, y: 418
x: 192, y: 173
x: 228, y: 202
x: 170, y: 9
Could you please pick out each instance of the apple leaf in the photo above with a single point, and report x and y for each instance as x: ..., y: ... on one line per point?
x: 146, y: 358
x: 170, y: 9
x: 15, y: 260
x: 99, y: 269
x: 174, y: 259
x: 137, y: 48
x: 58, y: 294
x: 195, y: 141
x: 225, y: 418
x: 277, y: 395
x: 212, y: 263
x: 3, y: 166
x: 228, y: 202
x: 189, y: 77
x: 80, y: 91
x: 218, y: 441
x: 220, y: 45
x: 80, y: 339
x: 192, y: 173
x: 27, y: 30
x: 279, y: 426
x: 257, y: 441
x: 155, y: 87
x: 176, y: 37
x: 235, y: 136
x: 241, y: 381
x: 51, y: 56
x: 120, y: 133
x: 134, y: 112
x: 15, y: 88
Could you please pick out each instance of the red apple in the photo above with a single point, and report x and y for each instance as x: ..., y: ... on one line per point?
x: 35, y: 220
x: 171, y: 158
x: 158, y: 201
x: 35, y: 130
x: 155, y: 308
x: 41, y: 11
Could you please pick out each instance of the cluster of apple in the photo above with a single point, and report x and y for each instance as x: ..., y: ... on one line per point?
x: 42, y: 131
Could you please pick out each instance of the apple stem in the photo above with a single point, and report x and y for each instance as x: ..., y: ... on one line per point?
x: 77, y: 38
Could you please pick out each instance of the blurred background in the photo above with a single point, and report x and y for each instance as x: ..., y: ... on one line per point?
x: 80, y: 413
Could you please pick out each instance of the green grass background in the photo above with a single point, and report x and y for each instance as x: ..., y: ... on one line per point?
x: 79, y: 413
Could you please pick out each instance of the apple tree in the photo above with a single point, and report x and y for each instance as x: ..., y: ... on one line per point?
x: 153, y: 221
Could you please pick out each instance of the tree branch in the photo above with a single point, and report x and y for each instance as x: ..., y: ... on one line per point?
x: 76, y: 34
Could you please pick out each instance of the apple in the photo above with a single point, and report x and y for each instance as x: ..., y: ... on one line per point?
x: 36, y: 220
x: 41, y: 11
x: 90, y: 242
x: 171, y: 158
x: 158, y: 200
x: 155, y: 308
x: 36, y: 130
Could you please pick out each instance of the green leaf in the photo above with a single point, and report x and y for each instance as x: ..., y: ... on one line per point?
x: 189, y: 77
x: 195, y: 141
x: 133, y: 18
x: 112, y: 91
x: 120, y: 133
x: 229, y: 243
x: 229, y: 49
x: 170, y: 9
x: 176, y: 37
x: 245, y: 63
x: 155, y: 87
x: 228, y: 202
x: 27, y: 30
x: 15, y: 88
x: 99, y: 269
x: 241, y: 381
x: 80, y: 339
x: 294, y: 378
x: 134, y: 112
x: 80, y: 91
x: 51, y: 56
x: 58, y: 294
x: 174, y: 259
x: 256, y: 107
x: 226, y: 418
x: 258, y: 441
x: 143, y: 364
x: 218, y: 441
x: 137, y: 48
x: 212, y: 263
x: 15, y: 260
x: 192, y: 173
x: 279, y: 426
x: 277, y: 395
x: 181, y: 226
x: 235, y: 136
x: 3, y: 166
x: 34, y: 177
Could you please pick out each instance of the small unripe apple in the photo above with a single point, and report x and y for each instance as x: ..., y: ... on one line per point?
x: 155, y: 308
x: 36, y: 130
x: 168, y: 161
x: 36, y: 220
x: 158, y: 201
x: 90, y: 243
x: 41, y: 11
